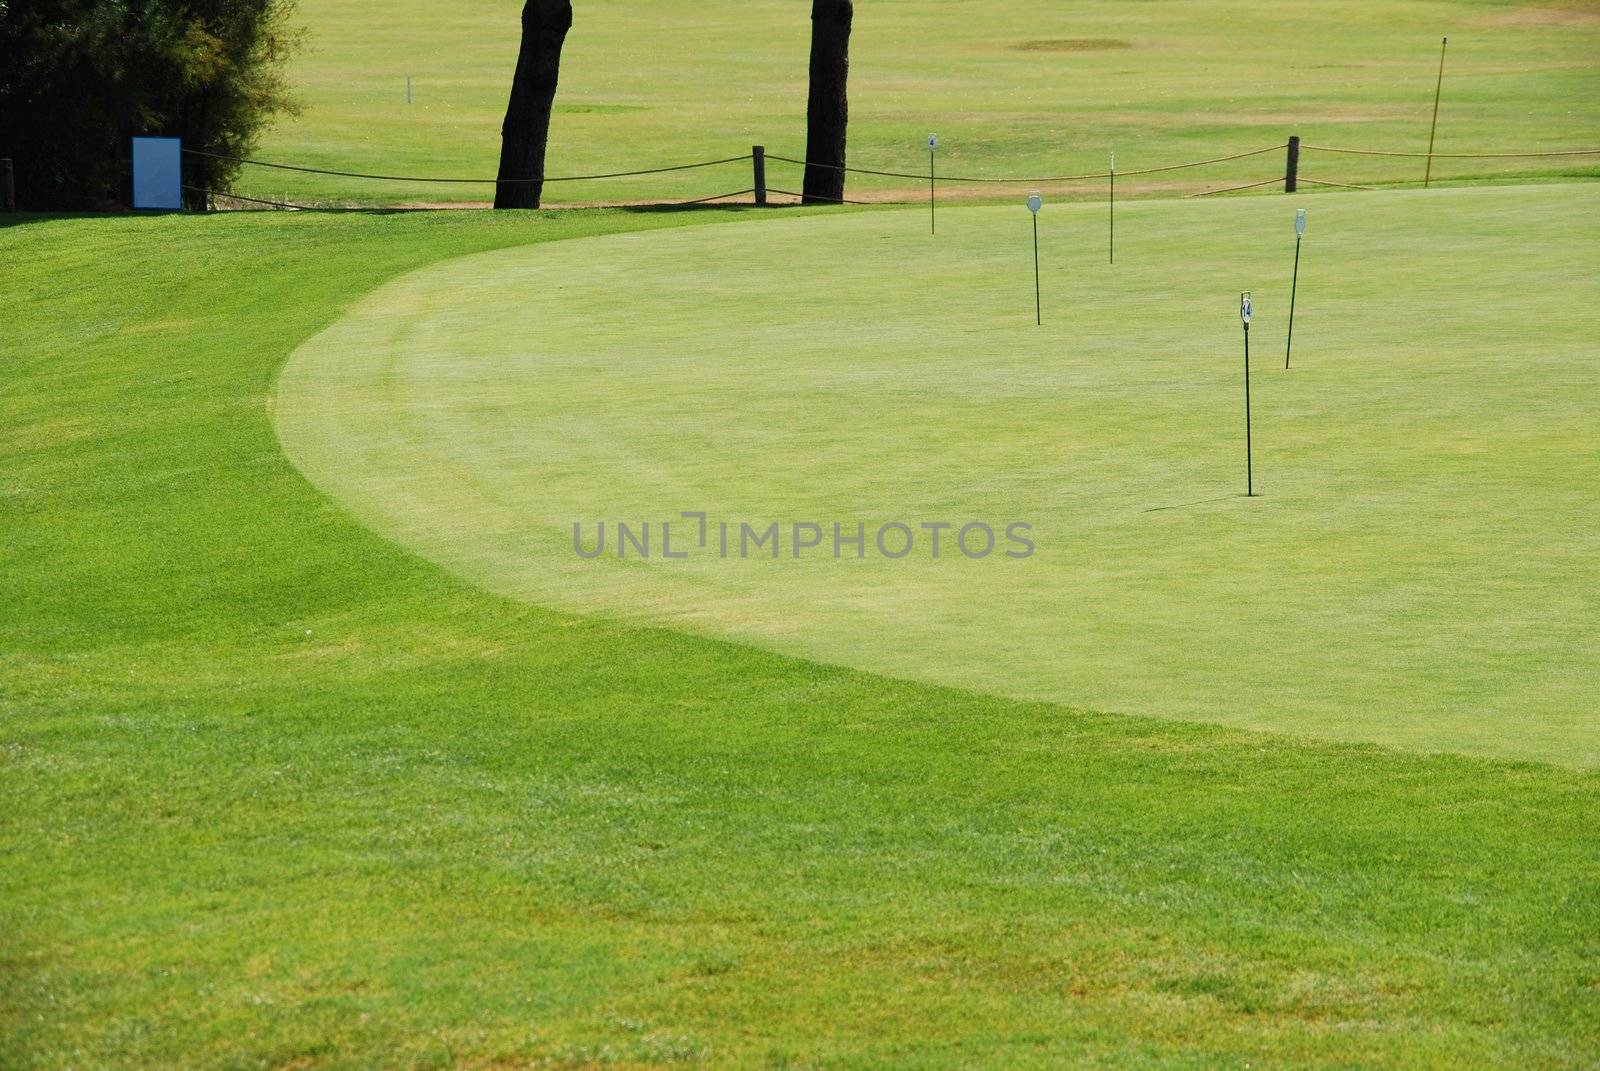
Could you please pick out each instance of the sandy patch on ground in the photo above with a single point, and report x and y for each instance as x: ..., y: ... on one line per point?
x: 1073, y: 44
x: 1586, y: 15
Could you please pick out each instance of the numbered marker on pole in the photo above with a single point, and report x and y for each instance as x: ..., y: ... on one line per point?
x: 1035, y: 202
x: 933, y: 142
x: 1299, y: 223
x: 1245, y: 309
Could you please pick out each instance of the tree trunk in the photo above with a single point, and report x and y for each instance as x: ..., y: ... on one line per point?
x: 199, y: 172
x: 533, y: 89
x: 827, y: 111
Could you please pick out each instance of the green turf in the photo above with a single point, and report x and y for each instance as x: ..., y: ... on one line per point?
x: 1012, y: 89
x: 1419, y: 569
x: 277, y: 794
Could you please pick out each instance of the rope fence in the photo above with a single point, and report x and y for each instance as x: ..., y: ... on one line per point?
x: 220, y: 195
x: 493, y: 181
x: 828, y: 200
x: 1340, y: 185
x: 1203, y: 163
x: 1247, y: 186
x: 707, y: 200
x: 1031, y: 181
x: 1289, y: 176
x: 213, y: 194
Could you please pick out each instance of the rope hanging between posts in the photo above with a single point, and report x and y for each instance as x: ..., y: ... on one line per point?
x: 418, y: 178
x: 759, y: 156
x: 1030, y: 181
x: 834, y: 200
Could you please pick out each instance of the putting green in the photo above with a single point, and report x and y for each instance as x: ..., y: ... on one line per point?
x: 1421, y: 567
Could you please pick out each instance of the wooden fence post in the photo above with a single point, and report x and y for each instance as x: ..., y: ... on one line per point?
x: 758, y: 156
x: 1291, y: 171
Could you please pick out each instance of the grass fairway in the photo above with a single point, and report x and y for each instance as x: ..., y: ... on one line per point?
x: 278, y: 793
x: 1012, y: 89
x: 1420, y: 570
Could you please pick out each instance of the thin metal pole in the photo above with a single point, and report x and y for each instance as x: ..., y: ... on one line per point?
x: 1038, y: 304
x: 931, y: 229
x: 1427, y: 176
x: 1294, y: 288
x: 408, y: 89
x: 1249, y: 469
x: 1111, y: 221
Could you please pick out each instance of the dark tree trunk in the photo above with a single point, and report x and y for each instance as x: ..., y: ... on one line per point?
x: 827, y: 111
x: 533, y: 89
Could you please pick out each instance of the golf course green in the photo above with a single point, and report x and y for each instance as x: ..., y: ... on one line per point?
x: 282, y: 793
x: 1418, y: 568
x: 325, y: 745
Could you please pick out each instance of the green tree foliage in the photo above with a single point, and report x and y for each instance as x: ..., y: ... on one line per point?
x: 78, y: 78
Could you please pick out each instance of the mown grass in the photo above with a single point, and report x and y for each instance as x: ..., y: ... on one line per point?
x: 277, y: 794
x: 1416, y: 568
x: 1012, y: 89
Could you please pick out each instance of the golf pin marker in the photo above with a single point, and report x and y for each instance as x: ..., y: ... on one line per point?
x: 1294, y: 285
x: 1111, y: 210
x: 1245, y: 312
x: 1035, y: 202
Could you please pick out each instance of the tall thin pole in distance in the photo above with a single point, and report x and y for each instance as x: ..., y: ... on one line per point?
x: 1249, y: 465
x: 1438, y: 89
x: 408, y: 89
x: 1035, y: 202
x: 1294, y: 287
x: 933, y: 143
x: 1038, y: 301
x: 1111, y: 214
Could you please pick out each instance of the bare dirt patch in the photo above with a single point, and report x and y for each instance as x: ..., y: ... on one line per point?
x: 1073, y: 44
x: 1585, y: 15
